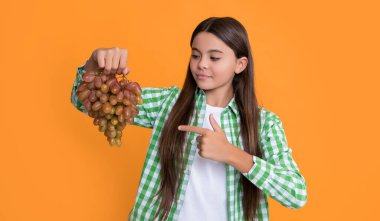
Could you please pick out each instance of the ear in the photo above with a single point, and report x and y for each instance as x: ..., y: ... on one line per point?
x: 241, y: 64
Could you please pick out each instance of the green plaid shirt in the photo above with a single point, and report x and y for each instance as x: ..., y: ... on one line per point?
x: 276, y: 174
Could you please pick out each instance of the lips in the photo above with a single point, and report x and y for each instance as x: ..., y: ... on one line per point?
x: 202, y: 75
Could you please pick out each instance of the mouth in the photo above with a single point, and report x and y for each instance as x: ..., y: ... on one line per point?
x: 202, y: 76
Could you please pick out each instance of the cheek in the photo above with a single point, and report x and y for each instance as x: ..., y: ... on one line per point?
x: 193, y: 67
x: 223, y: 70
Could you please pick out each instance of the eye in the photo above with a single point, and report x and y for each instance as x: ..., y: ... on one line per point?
x: 212, y: 58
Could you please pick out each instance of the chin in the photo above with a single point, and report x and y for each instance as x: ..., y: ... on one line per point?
x: 204, y: 87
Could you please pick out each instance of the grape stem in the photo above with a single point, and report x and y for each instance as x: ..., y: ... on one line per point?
x: 118, y: 77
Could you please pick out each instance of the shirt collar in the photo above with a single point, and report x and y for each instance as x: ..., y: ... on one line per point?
x: 200, y: 93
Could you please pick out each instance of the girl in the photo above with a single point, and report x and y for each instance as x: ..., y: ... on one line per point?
x: 214, y: 153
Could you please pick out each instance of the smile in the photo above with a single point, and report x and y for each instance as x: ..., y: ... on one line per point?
x: 202, y: 77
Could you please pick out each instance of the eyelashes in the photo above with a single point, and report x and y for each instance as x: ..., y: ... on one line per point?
x: 212, y: 58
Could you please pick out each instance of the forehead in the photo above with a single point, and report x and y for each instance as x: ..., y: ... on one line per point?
x: 206, y: 42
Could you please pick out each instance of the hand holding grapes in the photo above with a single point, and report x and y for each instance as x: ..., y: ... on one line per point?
x: 112, y: 60
x: 110, y: 99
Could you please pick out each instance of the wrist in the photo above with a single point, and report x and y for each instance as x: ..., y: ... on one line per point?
x: 231, y: 154
x: 239, y: 159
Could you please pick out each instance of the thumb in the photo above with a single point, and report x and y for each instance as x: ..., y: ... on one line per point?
x: 90, y: 67
x: 214, y: 124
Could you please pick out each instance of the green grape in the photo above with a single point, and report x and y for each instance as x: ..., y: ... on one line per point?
x: 88, y: 77
x: 126, y: 112
x: 114, y: 120
x: 96, y: 121
x: 123, y: 83
x: 138, y: 89
x: 134, y: 110
x: 139, y: 100
x: 110, y: 126
x: 113, y: 100
x: 102, y: 128
x: 133, y: 99
x: 104, y: 88
x: 91, y: 113
x: 103, y: 98
x: 120, y: 96
x: 96, y: 106
x: 87, y: 104
x: 84, y: 94
x: 106, y: 107
x: 119, y: 133
x: 91, y: 86
x: 102, y: 121
x: 118, y: 141
x: 119, y: 110
x: 120, y: 126
x: 98, y: 93
x: 127, y: 94
x: 130, y: 86
x: 112, y: 141
x: 111, y: 133
x: 126, y: 102
x: 95, y: 114
x: 104, y: 77
x: 115, y: 88
x: 92, y: 97
x: 101, y: 113
x: 98, y: 82
x: 112, y: 110
x: 120, y: 118
x: 130, y: 120
x: 111, y: 81
x: 82, y: 86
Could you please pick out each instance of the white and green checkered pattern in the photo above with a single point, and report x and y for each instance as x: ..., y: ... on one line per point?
x: 276, y: 175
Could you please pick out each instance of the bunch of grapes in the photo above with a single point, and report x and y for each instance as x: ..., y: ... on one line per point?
x: 111, y: 100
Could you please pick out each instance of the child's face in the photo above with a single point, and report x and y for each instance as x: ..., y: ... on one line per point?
x: 220, y: 67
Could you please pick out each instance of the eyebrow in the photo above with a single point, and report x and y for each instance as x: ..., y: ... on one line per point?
x: 212, y: 50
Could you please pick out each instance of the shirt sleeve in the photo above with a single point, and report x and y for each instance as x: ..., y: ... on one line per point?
x: 153, y: 100
x: 277, y: 175
x: 74, y: 98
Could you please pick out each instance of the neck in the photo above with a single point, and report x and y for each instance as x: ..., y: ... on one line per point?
x: 219, y: 97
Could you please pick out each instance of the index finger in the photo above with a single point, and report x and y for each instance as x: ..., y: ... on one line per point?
x: 99, y: 58
x: 123, y: 62
x: 194, y: 129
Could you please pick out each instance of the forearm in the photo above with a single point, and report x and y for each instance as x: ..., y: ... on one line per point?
x: 239, y: 159
x: 270, y: 178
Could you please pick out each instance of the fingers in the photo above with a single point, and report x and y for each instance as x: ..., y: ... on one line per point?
x: 115, y: 61
x: 100, y: 59
x: 126, y: 71
x: 111, y: 60
x: 198, y: 130
x: 123, y: 62
x: 107, y: 68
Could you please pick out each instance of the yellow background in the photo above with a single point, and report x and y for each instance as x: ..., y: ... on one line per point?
x: 316, y: 66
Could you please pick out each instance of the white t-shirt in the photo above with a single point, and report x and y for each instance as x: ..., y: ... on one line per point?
x: 206, y: 194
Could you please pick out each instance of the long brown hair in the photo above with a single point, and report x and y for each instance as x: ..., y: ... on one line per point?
x: 233, y: 34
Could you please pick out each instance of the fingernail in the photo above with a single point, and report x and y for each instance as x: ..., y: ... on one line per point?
x: 179, y: 127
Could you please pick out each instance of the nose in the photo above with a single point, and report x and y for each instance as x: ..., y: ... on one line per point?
x: 203, y: 63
